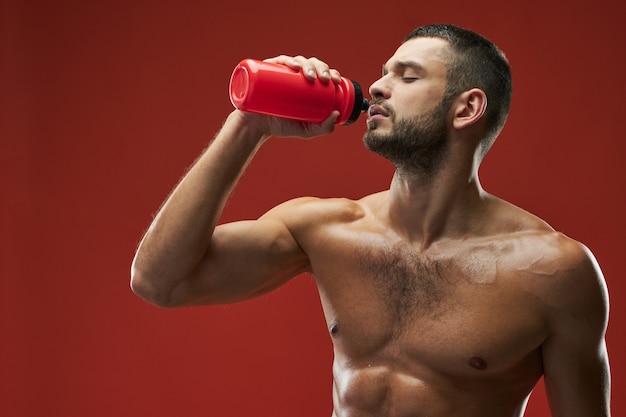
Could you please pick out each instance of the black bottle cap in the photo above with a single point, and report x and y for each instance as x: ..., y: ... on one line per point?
x: 360, y: 104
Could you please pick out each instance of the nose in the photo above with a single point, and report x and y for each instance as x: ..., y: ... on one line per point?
x: 379, y: 89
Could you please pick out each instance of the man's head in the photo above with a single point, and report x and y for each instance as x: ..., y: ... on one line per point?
x: 436, y: 66
x: 475, y: 62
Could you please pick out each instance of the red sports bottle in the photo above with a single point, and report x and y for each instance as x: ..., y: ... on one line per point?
x: 277, y: 90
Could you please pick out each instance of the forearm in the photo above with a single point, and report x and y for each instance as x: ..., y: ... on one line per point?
x: 180, y: 233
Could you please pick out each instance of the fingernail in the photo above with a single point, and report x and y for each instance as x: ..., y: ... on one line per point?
x: 311, y: 72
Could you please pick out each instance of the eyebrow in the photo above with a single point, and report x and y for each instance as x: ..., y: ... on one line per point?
x: 400, y: 65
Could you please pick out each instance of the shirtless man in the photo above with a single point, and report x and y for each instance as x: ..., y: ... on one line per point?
x: 441, y: 300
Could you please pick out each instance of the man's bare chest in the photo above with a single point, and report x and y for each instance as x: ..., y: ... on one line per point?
x: 445, y: 307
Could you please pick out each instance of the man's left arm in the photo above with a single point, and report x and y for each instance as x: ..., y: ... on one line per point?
x: 576, y: 366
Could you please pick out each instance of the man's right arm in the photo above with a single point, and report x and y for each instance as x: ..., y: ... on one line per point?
x: 184, y: 259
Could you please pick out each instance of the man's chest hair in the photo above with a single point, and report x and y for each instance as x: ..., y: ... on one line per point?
x: 417, y: 284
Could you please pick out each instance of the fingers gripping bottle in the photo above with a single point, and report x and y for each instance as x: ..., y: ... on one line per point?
x: 277, y: 90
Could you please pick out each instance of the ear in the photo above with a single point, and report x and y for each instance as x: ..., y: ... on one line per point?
x: 469, y: 108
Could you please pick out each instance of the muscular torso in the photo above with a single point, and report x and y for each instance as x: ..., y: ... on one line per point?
x: 454, y: 329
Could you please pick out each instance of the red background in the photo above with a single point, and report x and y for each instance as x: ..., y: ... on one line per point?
x: 104, y: 105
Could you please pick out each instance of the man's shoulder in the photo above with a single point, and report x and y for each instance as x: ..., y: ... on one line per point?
x: 535, y: 245
x: 549, y: 251
x: 538, y: 240
x: 317, y: 210
x: 566, y: 277
x: 560, y: 270
x: 530, y: 245
x: 305, y: 213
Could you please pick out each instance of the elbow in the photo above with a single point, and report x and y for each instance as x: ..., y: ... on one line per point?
x: 147, y: 289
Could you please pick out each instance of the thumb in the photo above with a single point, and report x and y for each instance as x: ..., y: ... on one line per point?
x: 328, y: 125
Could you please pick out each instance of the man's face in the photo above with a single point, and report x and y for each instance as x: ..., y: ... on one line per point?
x: 407, y: 121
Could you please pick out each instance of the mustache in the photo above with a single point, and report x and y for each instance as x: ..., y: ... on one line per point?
x: 381, y: 102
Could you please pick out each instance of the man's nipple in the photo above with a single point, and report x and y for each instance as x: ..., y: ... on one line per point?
x: 477, y: 362
x: 334, y: 329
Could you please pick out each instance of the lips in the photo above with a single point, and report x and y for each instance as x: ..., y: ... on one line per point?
x: 376, y: 110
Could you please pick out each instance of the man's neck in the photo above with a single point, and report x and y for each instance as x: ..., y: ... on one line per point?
x: 444, y: 205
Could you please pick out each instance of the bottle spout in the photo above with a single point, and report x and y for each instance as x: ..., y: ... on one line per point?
x: 365, y: 105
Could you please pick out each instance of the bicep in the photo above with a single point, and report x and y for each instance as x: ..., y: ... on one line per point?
x: 244, y: 259
x: 576, y: 367
x: 577, y: 378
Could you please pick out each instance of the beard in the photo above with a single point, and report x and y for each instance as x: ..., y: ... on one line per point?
x: 417, y: 145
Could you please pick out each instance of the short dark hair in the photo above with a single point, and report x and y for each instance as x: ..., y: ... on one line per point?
x: 475, y: 62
